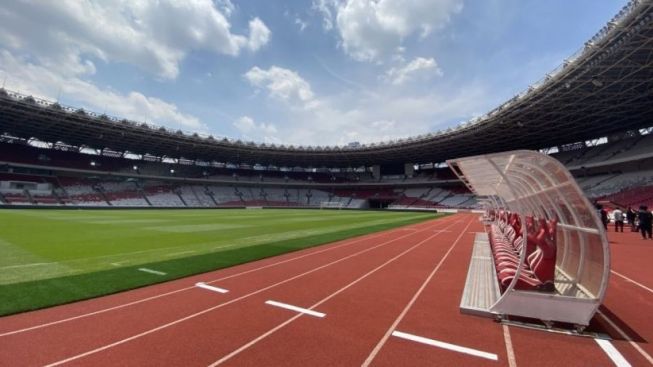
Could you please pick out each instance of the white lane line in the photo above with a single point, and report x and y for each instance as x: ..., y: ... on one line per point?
x: 443, y: 345
x: 156, y: 272
x: 627, y: 338
x: 510, y: 352
x: 295, y: 308
x: 211, y: 288
x: 344, y: 243
x: 207, y: 310
x: 403, y: 313
x: 326, y: 299
x: 632, y: 281
x: 613, y: 353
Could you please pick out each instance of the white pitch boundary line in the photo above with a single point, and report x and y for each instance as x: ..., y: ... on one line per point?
x: 347, y: 242
x: 26, y: 265
x: 282, y: 325
x: 156, y: 272
x: 207, y: 310
x: 211, y: 288
x: 295, y: 308
x: 180, y: 253
x: 444, y: 345
x: 627, y: 338
x: 632, y: 281
x: 403, y: 313
x: 612, y: 352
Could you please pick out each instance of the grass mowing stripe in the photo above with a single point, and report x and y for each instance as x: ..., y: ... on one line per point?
x: 30, y: 295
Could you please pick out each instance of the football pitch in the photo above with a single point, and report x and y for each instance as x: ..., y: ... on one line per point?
x: 50, y: 257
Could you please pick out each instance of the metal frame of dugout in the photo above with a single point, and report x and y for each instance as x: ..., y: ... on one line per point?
x: 533, y: 184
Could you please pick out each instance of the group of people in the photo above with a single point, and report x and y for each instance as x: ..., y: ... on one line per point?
x: 641, y: 221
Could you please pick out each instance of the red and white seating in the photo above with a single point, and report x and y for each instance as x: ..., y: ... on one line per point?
x: 507, y: 241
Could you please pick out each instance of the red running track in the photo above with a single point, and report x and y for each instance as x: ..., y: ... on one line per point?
x: 370, y: 289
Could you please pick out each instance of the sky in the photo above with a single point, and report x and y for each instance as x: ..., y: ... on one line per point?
x: 311, y: 72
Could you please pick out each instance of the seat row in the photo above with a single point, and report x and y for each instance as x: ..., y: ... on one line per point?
x: 507, y: 242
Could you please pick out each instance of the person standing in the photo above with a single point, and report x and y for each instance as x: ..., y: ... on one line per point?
x: 645, y: 221
x: 630, y: 216
x: 618, y: 216
x: 603, y: 214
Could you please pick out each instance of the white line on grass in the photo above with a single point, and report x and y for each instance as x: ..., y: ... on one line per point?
x: 156, y: 272
x: 211, y: 288
x: 181, y: 253
x: 295, y: 308
x: 26, y: 265
x: 613, y: 353
x: 175, y: 322
x: 443, y: 345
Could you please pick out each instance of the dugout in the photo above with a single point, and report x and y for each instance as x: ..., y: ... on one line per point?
x: 526, y: 187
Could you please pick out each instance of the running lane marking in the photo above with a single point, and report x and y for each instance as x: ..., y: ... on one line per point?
x: 282, y: 325
x: 613, y: 353
x: 403, y: 313
x: 210, y: 287
x: 627, y: 338
x: 191, y: 316
x: 347, y: 242
x: 632, y: 281
x: 155, y: 272
x: 510, y: 352
x: 443, y: 345
x: 295, y: 308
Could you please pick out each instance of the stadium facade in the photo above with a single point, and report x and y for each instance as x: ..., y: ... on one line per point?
x: 592, y: 113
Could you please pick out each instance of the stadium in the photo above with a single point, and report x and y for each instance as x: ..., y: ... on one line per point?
x: 130, y: 243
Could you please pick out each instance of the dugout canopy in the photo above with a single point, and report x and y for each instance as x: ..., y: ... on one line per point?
x: 534, y: 184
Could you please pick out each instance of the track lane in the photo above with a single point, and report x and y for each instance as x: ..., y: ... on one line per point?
x: 630, y: 318
x: 65, y: 340
x: 356, y: 318
x: 630, y: 255
x: 198, y: 341
x: 435, y: 314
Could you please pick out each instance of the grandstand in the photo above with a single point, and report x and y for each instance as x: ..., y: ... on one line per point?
x: 538, y: 257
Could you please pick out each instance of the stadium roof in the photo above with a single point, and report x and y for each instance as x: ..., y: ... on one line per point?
x: 605, y: 88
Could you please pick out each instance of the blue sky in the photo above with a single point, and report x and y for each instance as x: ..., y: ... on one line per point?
x: 320, y: 72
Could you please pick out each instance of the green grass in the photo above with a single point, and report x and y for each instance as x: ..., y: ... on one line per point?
x: 50, y: 257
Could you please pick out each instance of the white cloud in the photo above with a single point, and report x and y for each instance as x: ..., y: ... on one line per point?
x: 251, y: 131
x: 155, y: 36
x: 40, y: 81
x: 351, y: 116
x: 325, y: 7
x: 282, y: 84
x: 301, y: 23
x: 420, y: 66
x: 372, y: 29
x: 259, y: 34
